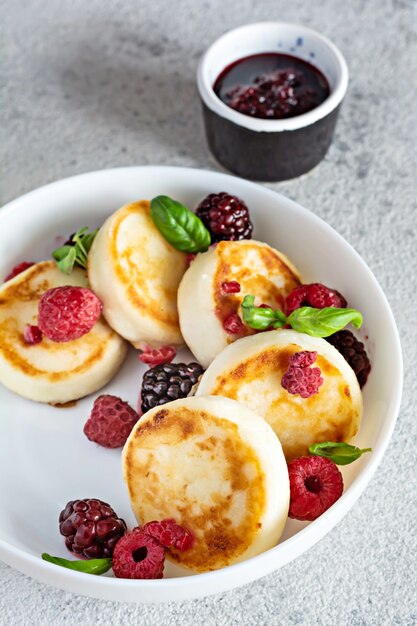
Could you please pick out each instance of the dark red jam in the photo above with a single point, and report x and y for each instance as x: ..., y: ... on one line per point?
x: 271, y: 86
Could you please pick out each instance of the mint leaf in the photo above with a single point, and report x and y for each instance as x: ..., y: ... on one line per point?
x: 261, y: 318
x: 179, y: 226
x: 339, y: 453
x: 323, y: 322
x: 69, y: 255
x: 92, y: 566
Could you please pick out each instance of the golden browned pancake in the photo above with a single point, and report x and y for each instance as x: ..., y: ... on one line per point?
x: 203, y: 304
x: 216, y: 468
x: 250, y: 371
x: 135, y: 272
x: 48, y: 371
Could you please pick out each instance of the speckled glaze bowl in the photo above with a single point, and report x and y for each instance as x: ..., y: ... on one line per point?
x: 271, y: 150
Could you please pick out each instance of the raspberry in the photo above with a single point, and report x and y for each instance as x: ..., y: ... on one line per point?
x: 138, y: 555
x: 303, y: 359
x: 110, y: 422
x: 315, y: 484
x: 300, y: 379
x: 189, y: 258
x: 91, y: 528
x: 157, y: 356
x: 170, y: 534
x: 231, y: 287
x: 67, y: 313
x: 233, y: 325
x: 167, y: 382
x: 32, y: 335
x: 354, y: 352
x: 316, y: 295
x: 225, y: 216
x: 21, y: 267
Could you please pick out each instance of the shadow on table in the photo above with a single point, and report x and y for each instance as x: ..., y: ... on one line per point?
x: 124, y: 81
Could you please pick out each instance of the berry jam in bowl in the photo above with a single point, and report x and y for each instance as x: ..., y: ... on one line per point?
x: 271, y: 94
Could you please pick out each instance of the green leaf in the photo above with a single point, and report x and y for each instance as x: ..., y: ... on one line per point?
x: 92, y: 566
x: 261, y: 318
x: 88, y: 240
x: 179, y: 226
x: 67, y: 256
x: 340, y: 453
x: 323, y: 322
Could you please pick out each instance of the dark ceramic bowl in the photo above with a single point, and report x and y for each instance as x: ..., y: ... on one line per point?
x: 271, y: 150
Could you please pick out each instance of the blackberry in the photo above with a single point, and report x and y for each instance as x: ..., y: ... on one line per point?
x: 167, y: 382
x: 354, y: 352
x: 226, y: 217
x: 91, y: 528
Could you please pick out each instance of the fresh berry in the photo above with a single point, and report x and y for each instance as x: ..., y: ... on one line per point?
x: 138, y: 555
x: 303, y: 359
x: 316, y: 295
x: 170, y: 534
x: 18, y: 269
x: 301, y: 379
x: 231, y: 287
x: 233, y: 325
x: 354, y: 352
x: 67, y: 313
x: 70, y: 241
x: 157, y: 356
x: 91, y: 528
x: 110, y: 422
x: 189, y: 258
x: 226, y: 217
x: 315, y: 484
x: 167, y: 382
x: 32, y: 334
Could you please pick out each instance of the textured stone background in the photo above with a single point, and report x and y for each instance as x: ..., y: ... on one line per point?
x: 90, y: 85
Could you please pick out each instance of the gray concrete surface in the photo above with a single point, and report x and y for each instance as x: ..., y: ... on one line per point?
x: 89, y: 85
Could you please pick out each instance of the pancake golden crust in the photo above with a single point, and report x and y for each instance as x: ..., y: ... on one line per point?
x: 136, y: 273
x: 254, y: 379
x: 258, y: 269
x: 203, y: 304
x: 187, y: 462
x: 128, y: 271
x: 50, y: 371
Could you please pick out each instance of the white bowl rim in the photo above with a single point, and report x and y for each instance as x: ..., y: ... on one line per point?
x: 292, y: 547
x: 213, y: 102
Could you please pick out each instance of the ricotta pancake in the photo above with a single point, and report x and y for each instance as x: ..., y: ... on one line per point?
x: 205, y: 305
x: 135, y: 272
x: 251, y: 369
x: 48, y: 371
x: 218, y: 469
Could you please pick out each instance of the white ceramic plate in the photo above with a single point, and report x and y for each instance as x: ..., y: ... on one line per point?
x: 45, y: 460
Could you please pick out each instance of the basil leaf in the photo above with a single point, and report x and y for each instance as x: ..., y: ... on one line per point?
x: 92, y: 566
x: 65, y: 258
x: 323, y: 322
x: 179, y: 226
x: 261, y: 318
x: 339, y: 453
